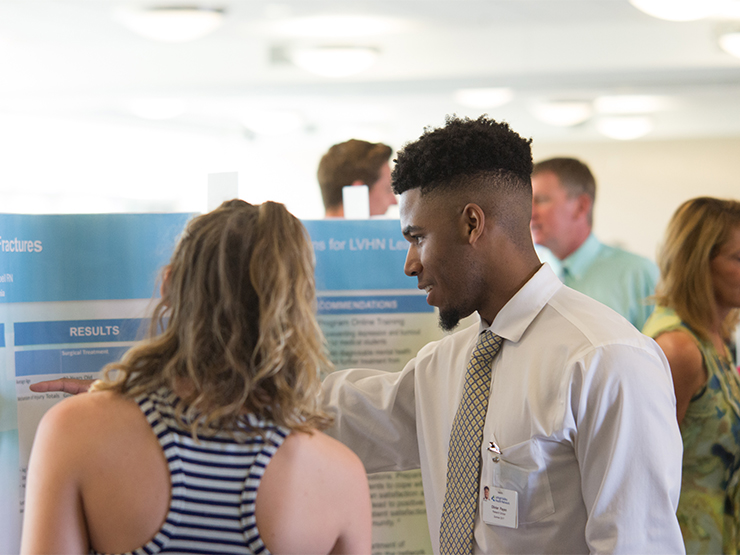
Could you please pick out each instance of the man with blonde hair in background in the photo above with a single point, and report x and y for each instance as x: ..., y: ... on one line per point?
x: 564, y: 190
x: 356, y: 162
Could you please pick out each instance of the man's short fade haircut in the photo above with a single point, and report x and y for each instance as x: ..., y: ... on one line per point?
x: 462, y: 151
x: 347, y: 162
x: 573, y: 174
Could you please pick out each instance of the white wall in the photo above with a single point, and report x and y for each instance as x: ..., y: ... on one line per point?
x: 56, y: 165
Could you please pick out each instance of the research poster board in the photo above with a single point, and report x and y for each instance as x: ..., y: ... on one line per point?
x: 374, y: 316
x: 76, y: 292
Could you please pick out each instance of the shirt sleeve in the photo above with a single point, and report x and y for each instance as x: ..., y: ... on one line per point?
x: 374, y: 415
x: 629, y: 451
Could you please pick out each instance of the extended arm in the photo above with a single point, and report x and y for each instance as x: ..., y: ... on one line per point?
x: 67, y: 385
x: 375, y: 416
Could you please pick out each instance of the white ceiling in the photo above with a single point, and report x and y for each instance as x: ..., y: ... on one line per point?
x: 74, y: 57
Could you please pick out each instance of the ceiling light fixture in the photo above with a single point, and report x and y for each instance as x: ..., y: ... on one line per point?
x: 729, y: 41
x: 679, y: 10
x: 171, y: 23
x: 334, y: 61
x: 624, y: 128
x: 563, y: 113
x: 483, y: 98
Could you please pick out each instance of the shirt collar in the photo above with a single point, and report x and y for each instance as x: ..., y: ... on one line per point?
x: 578, y: 262
x: 515, y: 317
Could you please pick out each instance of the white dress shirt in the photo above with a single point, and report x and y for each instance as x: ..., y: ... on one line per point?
x: 581, y: 406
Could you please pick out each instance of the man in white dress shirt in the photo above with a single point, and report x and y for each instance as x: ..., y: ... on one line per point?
x: 580, y: 434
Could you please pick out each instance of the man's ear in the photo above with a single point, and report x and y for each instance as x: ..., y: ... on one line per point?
x: 584, y: 204
x: 165, y: 285
x: 474, y: 220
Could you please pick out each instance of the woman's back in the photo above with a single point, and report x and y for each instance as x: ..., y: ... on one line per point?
x: 141, y: 480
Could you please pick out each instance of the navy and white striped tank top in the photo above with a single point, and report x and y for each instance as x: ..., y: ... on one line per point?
x: 214, y: 483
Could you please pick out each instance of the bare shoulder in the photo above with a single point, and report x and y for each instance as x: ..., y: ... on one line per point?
x: 88, y: 423
x: 71, y: 436
x: 314, y: 498
x: 317, y: 444
x: 680, y: 349
x: 93, y: 410
x: 318, y: 450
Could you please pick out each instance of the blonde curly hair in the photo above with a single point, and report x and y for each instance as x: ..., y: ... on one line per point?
x: 235, y: 330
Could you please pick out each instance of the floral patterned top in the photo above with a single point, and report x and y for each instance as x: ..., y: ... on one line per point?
x: 709, y: 507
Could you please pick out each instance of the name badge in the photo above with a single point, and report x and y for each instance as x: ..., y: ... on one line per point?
x: 501, y: 508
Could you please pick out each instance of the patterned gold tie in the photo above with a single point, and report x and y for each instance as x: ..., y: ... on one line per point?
x: 463, y: 460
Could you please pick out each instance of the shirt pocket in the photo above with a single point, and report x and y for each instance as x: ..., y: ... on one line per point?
x: 521, y: 468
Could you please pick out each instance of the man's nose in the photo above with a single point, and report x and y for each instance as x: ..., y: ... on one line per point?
x: 412, y: 267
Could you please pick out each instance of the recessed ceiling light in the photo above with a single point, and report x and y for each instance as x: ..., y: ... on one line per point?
x: 334, y: 61
x: 171, y: 23
x: 563, y: 113
x: 624, y: 128
x: 730, y: 42
x: 679, y: 10
x: 484, y: 97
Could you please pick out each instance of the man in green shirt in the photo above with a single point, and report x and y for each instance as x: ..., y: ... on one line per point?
x: 564, y: 190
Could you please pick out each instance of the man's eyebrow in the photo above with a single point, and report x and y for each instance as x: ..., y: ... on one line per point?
x: 409, y: 229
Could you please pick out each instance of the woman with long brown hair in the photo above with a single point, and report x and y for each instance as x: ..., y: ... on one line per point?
x: 204, y: 438
x: 698, y: 297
